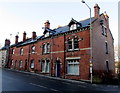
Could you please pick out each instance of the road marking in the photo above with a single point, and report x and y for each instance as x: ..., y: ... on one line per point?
x: 82, y: 86
x: 45, y: 87
x: 66, y: 83
x: 38, y: 85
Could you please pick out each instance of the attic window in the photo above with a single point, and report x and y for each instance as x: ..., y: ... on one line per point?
x: 73, y: 27
x: 47, y: 34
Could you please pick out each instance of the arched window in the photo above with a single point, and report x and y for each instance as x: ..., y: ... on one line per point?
x: 21, y: 51
x: 73, y: 44
x: 33, y: 49
x: 32, y: 63
x: 46, y: 48
x: 46, y: 66
x: 20, y: 63
x: 73, y: 27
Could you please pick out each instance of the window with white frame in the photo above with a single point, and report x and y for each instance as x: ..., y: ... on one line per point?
x: 12, y: 62
x: 73, y: 27
x: 21, y: 51
x: 45, y: 66
x: 46, y: 48
x: 32, y: 63
x: 47, y: 34
x: 13, y: 51
x: 73, y: 44
x: 73, y: 67
x: 33, y: 49
x: 20, y: 63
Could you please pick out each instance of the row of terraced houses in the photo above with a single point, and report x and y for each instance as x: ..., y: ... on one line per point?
x: 65, y: 52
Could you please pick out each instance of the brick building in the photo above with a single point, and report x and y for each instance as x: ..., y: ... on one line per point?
x: 65, y: 51
x: 4, y: 54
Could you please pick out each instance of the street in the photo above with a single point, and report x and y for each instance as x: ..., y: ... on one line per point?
x: 18, y: 81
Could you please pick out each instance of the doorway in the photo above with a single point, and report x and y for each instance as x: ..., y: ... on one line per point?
x: 25, y: 64
x: 57, y: 68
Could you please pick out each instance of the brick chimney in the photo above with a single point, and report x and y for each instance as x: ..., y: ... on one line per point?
x: 24, y: 36
x: 7, y: 42
x: 47, y: 24
x: 96, y: 11
x: 16, y: 39
x: 33, y: 35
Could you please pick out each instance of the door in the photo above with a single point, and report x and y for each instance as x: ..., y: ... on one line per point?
x: 58, y: 69
x: 25, y: 64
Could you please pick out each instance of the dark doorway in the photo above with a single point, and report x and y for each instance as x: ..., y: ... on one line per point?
x: 25, y: 64
x: 57, y: 68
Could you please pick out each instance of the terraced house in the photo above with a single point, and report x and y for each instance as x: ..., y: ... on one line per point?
x: 65, y: 51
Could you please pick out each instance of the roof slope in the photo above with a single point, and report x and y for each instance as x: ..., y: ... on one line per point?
x: 84, y: 23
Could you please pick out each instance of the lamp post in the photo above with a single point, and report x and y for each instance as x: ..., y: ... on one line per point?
x: 91, y: 76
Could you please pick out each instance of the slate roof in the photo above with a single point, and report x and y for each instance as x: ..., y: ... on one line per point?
x: 84, y: 23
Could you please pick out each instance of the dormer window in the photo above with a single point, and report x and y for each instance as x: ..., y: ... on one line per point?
x: 73, y: 27
x: 47, y: 34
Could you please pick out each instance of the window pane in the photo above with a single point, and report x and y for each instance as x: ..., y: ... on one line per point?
x: 32, y: 63
x: 76, y: 45
x: 73, y: 67
x: 43, y: 66
x: 69, y: 44
x: 48, y: 48
x: 47, y: 66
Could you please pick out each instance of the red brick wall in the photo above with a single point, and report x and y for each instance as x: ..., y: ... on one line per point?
x: 99, y: 49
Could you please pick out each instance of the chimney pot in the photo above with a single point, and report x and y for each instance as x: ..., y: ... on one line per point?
x: 16, y: 39
x: 47, y: 24
x: 33, y: 35
x: 7, y: 42
x: 24, y: 36
x: 96, y: 11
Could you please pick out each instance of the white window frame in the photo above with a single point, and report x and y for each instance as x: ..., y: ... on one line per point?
x: 73, y: 48
x: 46, y: 66
x: 20, y: 63
x: 73, y: 64
x: 47, y: 34
x: 73, y: 27
x: 32, y: 63
x: 33, y: 49
x: 21, y: 51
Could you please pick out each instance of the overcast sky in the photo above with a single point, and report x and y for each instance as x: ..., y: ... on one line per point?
x: 30, y: 15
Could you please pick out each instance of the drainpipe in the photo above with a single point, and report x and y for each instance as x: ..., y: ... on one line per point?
x: 52, y: 63
x: 28, y: 58
x: 64, y: 56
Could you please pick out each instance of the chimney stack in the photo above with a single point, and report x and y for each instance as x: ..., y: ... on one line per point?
x: 33, y: 35
x: 47, y: 24
x: 96, y: 11
x: 16, y: 39
x: 24, y: 36
x: 7, y: 42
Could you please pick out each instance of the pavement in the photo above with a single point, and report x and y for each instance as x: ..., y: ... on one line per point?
x: 14, y: 80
